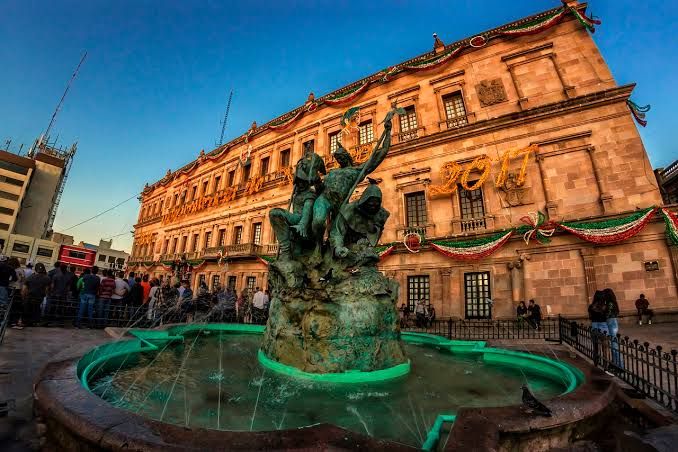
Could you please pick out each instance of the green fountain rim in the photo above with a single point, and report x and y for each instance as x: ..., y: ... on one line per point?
x: 152, y: 340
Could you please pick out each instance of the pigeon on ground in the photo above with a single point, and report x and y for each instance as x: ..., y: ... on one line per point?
x: 533, y: 405
x: 328, y: 276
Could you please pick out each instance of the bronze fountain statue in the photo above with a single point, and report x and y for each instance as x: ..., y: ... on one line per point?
x: 331, y: 310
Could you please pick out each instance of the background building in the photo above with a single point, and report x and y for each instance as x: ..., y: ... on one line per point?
x: 668, y: 182
x: 106, y: 257
x: 521, y: 119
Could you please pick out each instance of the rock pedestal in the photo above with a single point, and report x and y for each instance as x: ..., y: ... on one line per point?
x: 347, y: 323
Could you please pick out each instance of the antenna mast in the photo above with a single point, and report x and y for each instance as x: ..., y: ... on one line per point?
x: 223, y: 124
x: 61, y: 101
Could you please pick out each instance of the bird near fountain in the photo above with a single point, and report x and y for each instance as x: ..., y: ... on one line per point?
x: 533, y: 405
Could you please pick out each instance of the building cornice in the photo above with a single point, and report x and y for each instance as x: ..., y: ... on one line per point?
x: 461, y: 46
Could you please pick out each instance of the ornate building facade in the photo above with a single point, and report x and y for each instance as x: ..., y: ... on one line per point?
x: 516, y: 172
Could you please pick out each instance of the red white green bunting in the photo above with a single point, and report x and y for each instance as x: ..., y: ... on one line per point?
x: 472, y: 249
x: 535, y: 26
x: 671, y: 220
x: 348, y: 95
x: 610, y: 231
x: 587, y: 22
x: 384, y: 251
x: 285, y: 123
x: 434, y: 61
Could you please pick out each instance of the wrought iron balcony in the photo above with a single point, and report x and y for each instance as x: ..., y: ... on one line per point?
x: 408, y: 135
x: 423, y: 230
x: 476, y: 224
x: 454, y: 123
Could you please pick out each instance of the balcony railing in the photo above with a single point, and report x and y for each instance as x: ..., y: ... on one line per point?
x: 150, y: 218
x: 408, y: 135
x: 454, y: 123
x: 473, y: 224
x: 424, y: 231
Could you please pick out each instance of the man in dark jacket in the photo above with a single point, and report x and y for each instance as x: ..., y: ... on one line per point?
x: 534, y: 314
x: 36, y: 288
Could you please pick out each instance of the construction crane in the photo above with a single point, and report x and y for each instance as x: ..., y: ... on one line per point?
x: 223, y: 124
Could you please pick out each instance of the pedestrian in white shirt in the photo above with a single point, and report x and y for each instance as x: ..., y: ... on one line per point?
x: 259, y: 306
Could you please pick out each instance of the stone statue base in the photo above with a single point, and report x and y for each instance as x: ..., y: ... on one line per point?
x: 348, y: 323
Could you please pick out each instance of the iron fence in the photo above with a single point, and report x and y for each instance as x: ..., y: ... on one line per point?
x: 482, y: 329
x: 649, y: 369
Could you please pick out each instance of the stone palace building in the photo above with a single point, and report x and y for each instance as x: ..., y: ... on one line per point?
x: 517, y: 172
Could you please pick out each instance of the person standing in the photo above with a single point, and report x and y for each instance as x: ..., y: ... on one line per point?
x: 89, y: 288
x: 106, y: 289
x: 131, y: 280
x: 56, y: 301
x: 153, y: 296
x: 57, y: 267
x: 420, y: 313
x: 534, y: 314
x: 34, y: 291
x: 28, y: 271
x: 613, y: 325
x: 643, y: 308
x: 146, y: 287
x: 258, y: 306
x: 119, y: 293
x: 7, y: 276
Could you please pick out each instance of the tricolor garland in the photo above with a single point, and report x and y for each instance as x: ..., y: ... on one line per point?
x: 610, y: 231
x: 671, y: 220
x: 638, y: 112
x: 472, y: 249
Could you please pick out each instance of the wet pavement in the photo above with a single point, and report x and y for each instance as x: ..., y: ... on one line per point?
x: 22, y: 354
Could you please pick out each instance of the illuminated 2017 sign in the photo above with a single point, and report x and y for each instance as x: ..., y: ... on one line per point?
x: 451, y: 172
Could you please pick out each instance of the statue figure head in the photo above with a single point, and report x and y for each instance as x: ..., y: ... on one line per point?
x: 370, y: 200
x: 342, y: 157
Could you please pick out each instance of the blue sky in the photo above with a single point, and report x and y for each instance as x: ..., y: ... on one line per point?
x: 153, y: 90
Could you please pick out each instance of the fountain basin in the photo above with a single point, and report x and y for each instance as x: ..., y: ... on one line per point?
x: 349, y: 404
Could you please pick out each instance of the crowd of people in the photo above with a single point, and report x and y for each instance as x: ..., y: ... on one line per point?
x: 424, y: 315
x: 98, y: 297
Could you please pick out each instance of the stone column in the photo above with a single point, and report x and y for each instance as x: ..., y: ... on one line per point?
x: 446, y: 306
x: 673, y: 253
x: 527, y: 278
x: 605, y: 198
x: 551, y: 207
x: 587, y: 255
x: 516, y: 286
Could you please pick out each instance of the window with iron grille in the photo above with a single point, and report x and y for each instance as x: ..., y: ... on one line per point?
x: 194, y: 192
x: 165, y: 248
x: 184, y: 239
x: 335, y: 141
x: 246, y: 173
x: 251, y: 283
x: 408, y: 121
x: 221, y: 237
x: 201, y: 279
x: 418, y: 288
x: 208, y: 237
x: 174, y: 245
x: 102, y: 257
x: 415, y: 208
x: 196, y: 237
x: 264, y: 166
x: 365, y: 133
x: 217, y: 183
x: 256, y: 233
x: 472, y: 208
x: 111, y: 259
x: 478, y: 296
x: 455, y: 112
x: 231, y: 178
x: 232, y: 281
x: 308, y: 146
x: 215, y: 281
x: 284, y: 158
x: 237, y: 235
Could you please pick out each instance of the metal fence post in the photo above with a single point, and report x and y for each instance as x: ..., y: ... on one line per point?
x: 449, y: 328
